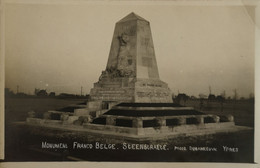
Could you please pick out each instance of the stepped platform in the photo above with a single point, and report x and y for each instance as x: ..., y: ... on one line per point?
x: 146, y: 119
x: 140, y: 120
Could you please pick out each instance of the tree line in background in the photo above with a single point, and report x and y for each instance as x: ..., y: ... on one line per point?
x: 219, y: 102
x: 182, y: 98
x: 42, y: 93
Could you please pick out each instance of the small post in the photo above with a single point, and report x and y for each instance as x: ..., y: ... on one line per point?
x: 216, y: 119
x: 182, y: 121
x: 200, y: 120
x: 137, y: 123
x: 31, y: 114
x: 110, y: 121
x: 161, y: 121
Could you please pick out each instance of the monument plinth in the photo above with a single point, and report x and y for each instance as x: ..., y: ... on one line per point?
x: 131, y: 74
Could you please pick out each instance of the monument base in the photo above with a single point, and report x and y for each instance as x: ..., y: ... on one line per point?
x: 131, y: 134
x: 157, y: 119
x: 126, y: 89
x: 139, y: 120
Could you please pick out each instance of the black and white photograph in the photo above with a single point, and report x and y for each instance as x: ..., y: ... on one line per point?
x: 129, y: 81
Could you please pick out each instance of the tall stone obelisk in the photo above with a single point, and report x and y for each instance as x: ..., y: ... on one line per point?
x: 131, y: 74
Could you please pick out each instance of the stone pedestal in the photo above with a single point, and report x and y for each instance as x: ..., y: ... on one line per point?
x: 138, y: 123
x: 161, y: 122
x: 216, y: 119
x: 110, y: 121
x: 200, y: 120
x: 182, y: 121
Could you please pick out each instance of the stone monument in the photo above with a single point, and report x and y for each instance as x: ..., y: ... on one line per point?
x: 135, y: 99
x: 131, y: 74
x: 129, y: 100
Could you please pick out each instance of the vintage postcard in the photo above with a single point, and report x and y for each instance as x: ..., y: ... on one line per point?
x: 129, y: 82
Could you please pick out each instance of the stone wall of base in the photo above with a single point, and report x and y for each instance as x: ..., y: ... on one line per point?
x: 111, y: 128
x: 159, y: 130
x: 39, y: 121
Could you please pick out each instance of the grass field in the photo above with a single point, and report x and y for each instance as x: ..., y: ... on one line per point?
x: 16, y: 109
x: 242, y: 110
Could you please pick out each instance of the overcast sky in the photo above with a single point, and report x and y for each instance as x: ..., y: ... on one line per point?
x: 61, y: 47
